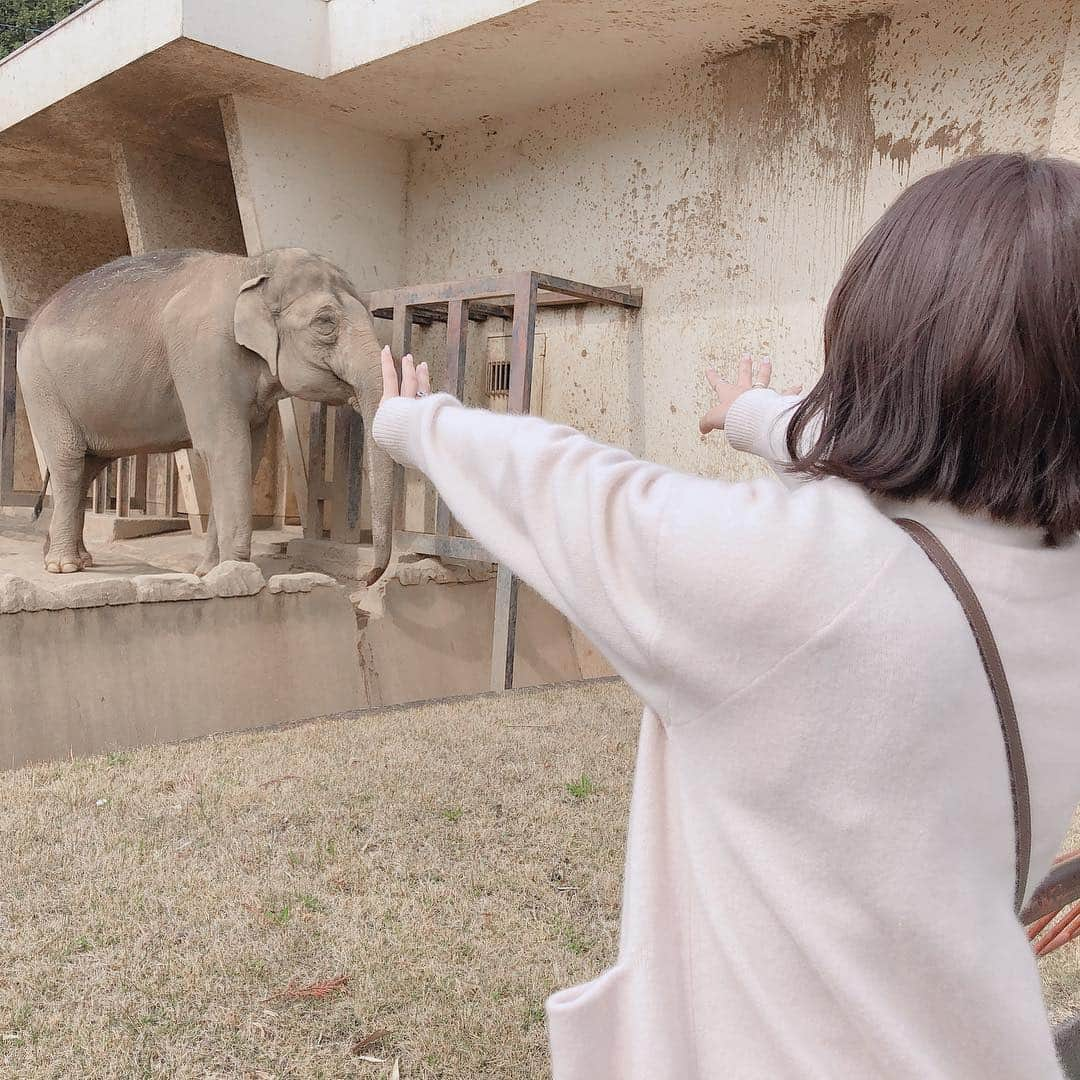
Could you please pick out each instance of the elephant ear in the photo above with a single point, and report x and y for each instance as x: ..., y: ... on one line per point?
x: 253, y: 322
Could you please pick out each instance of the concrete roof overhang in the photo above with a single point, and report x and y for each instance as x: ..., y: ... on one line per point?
x: 153, y: 71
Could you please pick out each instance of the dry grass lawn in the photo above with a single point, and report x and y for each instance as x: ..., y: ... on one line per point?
x: 415, y: 881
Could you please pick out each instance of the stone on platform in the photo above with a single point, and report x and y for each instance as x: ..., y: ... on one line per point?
x: 88, y: 592
x: 17, y: 594
x: 154, y: 588
x: 420, y: 569
x: 234, y: 578
x: 341, y: 560
x: 298, y: 583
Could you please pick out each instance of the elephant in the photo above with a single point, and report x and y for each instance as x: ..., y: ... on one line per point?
x: 175, y: 349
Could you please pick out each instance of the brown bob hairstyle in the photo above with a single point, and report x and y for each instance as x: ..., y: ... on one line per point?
x: 952, y: 348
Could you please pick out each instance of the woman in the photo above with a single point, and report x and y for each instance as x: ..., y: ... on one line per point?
x: 821, y: 862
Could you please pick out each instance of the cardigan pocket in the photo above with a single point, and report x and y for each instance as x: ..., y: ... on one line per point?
x: 587, y: 1029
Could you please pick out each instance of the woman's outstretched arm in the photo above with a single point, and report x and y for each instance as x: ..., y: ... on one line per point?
x: 576, y: 520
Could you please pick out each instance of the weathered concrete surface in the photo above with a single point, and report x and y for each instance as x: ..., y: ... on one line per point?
x: 41, y: 248
x: 732, y: 190
x: 83, y: 681
x: 431, y: 640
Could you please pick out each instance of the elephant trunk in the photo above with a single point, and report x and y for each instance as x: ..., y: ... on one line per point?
x: 364, y: 374
x: 382, y: 471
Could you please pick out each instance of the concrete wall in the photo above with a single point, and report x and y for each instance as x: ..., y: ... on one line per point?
x: 325, y: 186
x: 731, y: 190
x: 86, y: 680
x: 42, y: 247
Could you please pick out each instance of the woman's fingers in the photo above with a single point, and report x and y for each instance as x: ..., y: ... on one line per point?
x: 713, y: 379
x: 408, y: 376
x: 764, y: 372
x: 746, y: 371
x: 389, y: 374
x: 423, y: 378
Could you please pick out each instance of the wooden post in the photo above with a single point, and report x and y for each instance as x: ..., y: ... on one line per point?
x: 457, y: 332
x: 523, y: 334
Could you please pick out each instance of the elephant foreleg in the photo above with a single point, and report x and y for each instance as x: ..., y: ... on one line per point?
x: 61, y: 552
x: 231, y: 461
x: 92, y: 467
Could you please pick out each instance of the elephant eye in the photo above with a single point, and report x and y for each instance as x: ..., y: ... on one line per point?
x: 325, y: 322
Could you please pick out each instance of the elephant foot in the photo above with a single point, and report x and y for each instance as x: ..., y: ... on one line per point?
x: 86, y: 560
x: 204, y: 568
x: 67, y: 566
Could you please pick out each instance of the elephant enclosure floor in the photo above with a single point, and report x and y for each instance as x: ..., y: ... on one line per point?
x: 21, y: 543
x: 320, y: 900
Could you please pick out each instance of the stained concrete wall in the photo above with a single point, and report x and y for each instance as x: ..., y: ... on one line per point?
x: 42, y: 248
x: 162, y: 672
x: 732, y: 190
x: 321, y: 185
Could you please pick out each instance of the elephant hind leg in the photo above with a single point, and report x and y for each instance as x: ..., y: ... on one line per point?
x: 92, y: 467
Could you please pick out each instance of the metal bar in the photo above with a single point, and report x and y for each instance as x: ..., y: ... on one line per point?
x: 457, y: 333
x: 630, y: 298
x: 450, y: 547
x: 522, y: 338
x: 500, y: 287
x: 505, y: 633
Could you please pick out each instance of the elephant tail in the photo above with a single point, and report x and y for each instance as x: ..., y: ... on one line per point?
x: 39, y: 505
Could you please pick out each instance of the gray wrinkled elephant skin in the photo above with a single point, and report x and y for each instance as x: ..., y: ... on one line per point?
x: 175, y: 349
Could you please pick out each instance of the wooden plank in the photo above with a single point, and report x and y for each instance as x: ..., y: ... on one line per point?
x: 294, y: 453
x: 522, y: 338
x: 195, y: 486
x: 314, y: 519
x: 352, y: 486
x: 401, y: 344
x: 123, y: 487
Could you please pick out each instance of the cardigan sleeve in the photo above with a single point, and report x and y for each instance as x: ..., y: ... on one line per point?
x: 757, y: 424
x: 689, y: 586
x: 577, y: 520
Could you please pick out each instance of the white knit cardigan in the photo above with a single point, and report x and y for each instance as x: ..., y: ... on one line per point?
x: 820, y: 859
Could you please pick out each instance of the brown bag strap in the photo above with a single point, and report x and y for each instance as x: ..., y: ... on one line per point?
x: 999, y: 684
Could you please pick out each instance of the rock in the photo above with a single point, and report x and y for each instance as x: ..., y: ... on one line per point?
x: 293, y: 583
x: 18, y: 594
x: 233, y: 578
x: 418, y: 569
x: 153, y: 588
x: 88, y: 592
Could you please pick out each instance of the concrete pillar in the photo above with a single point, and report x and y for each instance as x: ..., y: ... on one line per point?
x: 42, y: 248
x: 305, y: 182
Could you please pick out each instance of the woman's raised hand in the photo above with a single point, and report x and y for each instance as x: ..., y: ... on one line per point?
x: 727, y: 392
x: 415, y: 380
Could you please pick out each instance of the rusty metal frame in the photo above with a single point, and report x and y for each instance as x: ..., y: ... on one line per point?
x: 9, y: 351
x: 517, y: 297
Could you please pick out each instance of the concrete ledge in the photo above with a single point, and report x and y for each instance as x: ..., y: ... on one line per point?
x: 433, y: 640
x: 82, y: 681
x: 103, y: 528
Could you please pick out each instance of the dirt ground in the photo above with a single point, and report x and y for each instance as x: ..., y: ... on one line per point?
x: 320, y: 901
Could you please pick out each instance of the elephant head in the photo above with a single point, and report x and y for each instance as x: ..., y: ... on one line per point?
x: 303, y: 316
